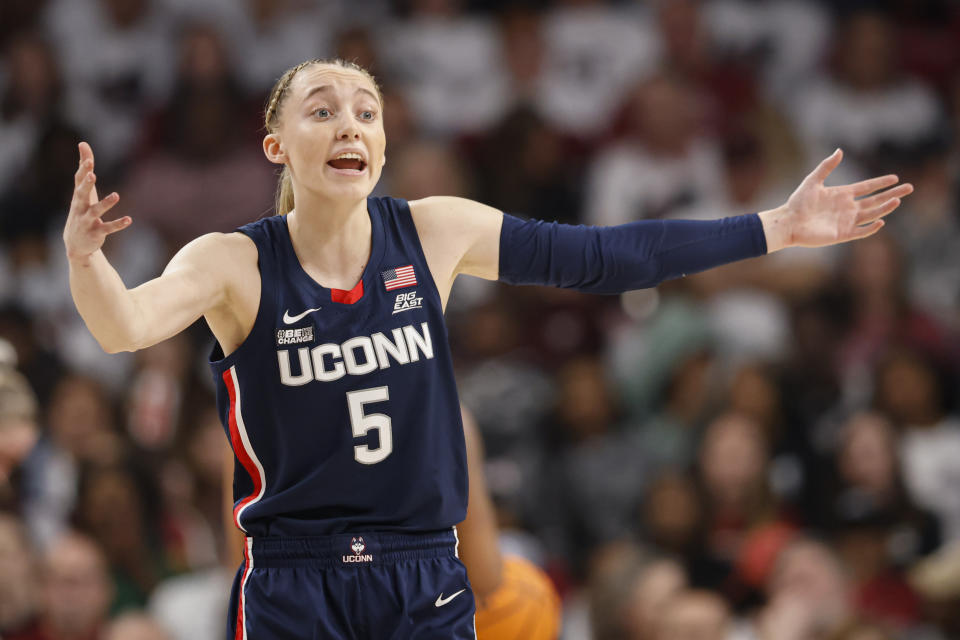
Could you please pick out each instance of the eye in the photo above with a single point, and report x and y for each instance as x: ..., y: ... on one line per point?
x: 367, y: 115
x: 322, y: 112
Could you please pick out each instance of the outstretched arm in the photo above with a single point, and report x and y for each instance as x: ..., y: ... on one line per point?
x: 461, y: 236
x: 125, y: 320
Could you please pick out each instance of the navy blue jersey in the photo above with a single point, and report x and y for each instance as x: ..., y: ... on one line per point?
x: 341, y: 406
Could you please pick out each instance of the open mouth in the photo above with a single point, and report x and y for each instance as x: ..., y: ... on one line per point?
x: 348, y: 162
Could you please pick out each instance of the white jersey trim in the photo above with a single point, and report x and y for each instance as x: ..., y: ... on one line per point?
x: 245, y: 439
x: 243, y: 587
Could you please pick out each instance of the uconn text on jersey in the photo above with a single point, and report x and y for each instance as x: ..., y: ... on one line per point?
x: 357, y: 356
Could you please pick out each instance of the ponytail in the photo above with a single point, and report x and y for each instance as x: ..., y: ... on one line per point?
x: 284, y: 199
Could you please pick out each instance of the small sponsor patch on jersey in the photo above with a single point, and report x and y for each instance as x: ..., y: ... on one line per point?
x: 399, y: 277
x: 294, y: 336
x: 357, y: 546
x: 407, y: 301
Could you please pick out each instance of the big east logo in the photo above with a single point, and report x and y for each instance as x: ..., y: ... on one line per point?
x: 407, y: 301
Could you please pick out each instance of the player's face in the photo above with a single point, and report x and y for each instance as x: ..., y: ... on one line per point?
x: 331, y: 130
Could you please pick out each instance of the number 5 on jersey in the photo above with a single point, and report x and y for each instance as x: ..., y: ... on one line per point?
x: 362, y: 424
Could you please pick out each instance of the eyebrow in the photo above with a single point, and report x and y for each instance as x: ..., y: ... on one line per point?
x: 327, y: 87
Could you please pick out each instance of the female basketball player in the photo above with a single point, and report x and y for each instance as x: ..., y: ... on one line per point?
x: 331, y: 361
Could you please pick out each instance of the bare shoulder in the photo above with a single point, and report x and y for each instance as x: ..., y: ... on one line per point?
x: 217, y: 251
x: 223, y: 260
x: 228, y: 265
x: 458, y: 235
x: 442, y: 211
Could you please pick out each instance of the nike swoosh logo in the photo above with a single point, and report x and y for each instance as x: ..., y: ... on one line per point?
x: 442, y: 601
x: 288, y: 319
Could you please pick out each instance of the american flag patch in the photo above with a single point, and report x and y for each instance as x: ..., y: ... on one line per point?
x: 399, y: 277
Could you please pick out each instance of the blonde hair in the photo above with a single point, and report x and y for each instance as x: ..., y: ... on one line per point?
x: 271, y: 117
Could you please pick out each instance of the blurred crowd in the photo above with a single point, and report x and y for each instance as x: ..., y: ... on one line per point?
x: 767, y: 451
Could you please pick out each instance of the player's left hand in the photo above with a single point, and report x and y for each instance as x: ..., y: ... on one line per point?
x: 816, y: 215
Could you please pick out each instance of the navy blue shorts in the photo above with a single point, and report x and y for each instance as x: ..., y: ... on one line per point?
x: 382, y: 586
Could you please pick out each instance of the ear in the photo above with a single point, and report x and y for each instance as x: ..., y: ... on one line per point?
x: 273, y: 149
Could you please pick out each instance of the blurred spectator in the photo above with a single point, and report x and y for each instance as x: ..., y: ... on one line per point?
x: 448, y: 65
x: 524, y: 53
x: 189, y: 542
x: 18, y: 430
x: 193, y: 606
x: 192, y: 484
x: 784, y: 39
x: 80, y: 430
x: 911, y: 394
x: 19, y: 586
x: 506, y: 392
x: 753, y: 393
x: 859, y: 631
x: 734, y: 467
x: 664, y: 364
x: 36, y: 359
x: 202, y: 178
x: 525, y: 169
x: 117, y: 507
x: 937, y: 581
x: 134, y: 626
x: 560, y: 324
x: 425, y: 169
x: 400, y: 126
x: 865, y: 102
x: 878, y: 530
x: 928, y: 38
x: 628, y: 594
x: 76, y: 592
x: 663, y: 167
x: 600, y: 468
x: 356, y: 44
x: 726, y: 87
x: 31, y: 93
x: 871, y: 485
x: 672, y: 514
x: 880, y: 592
x: 810, y: 379
x: 593, y: 54
x: 694, y: 615
x: 34, y: 205
x: 880, y: 316
x: 808, y: 596
x: 116, y: 57
x: 267, y: 36
x: 930, y: 229
x: 669, y: 437
x: 155, y: 393
x: 673, y: 521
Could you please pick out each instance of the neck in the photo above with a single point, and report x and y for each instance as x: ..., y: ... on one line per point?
x: 332, y: 238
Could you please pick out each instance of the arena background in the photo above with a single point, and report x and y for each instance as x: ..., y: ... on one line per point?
x: 769, y: 450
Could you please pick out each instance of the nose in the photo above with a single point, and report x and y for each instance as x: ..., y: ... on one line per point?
x: 348, y: 129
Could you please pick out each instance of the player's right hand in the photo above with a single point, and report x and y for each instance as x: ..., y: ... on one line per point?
x: 85, y: 230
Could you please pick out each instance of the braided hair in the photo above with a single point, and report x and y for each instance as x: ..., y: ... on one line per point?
x: 271, y: 117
